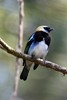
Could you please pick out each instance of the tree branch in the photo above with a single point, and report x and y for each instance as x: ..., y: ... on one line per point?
x: 19, y: 48
x: 45, y: 63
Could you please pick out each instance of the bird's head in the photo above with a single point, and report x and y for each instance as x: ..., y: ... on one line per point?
x: 45, y: 29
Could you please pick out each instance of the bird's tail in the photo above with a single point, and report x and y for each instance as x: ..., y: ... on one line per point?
x: 35, y: 66
x: 24, y: 74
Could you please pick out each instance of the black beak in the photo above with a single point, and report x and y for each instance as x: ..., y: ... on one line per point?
x: 51, y: 29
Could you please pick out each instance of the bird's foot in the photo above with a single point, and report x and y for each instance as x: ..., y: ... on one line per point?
x: 44, y: 61
x: 33, y: 56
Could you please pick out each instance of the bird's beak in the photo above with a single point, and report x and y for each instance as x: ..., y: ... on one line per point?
x: 51, y: 29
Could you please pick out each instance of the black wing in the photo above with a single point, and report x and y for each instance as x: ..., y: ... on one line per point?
x: 30, y: 40
x: 48, y: 40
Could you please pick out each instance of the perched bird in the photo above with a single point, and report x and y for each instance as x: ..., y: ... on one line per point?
x: 37, y: 47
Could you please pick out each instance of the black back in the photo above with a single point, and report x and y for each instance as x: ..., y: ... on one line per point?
x: 36, y: 37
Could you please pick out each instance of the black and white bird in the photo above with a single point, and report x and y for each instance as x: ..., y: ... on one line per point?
x: 37, y: 47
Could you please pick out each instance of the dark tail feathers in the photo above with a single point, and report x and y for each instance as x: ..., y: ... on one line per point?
x: 24, y: 74
x: 35, y: 66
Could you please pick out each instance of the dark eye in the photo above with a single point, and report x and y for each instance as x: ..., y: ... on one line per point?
x: 47, y: 28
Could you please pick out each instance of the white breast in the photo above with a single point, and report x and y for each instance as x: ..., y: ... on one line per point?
x: 38, y: 49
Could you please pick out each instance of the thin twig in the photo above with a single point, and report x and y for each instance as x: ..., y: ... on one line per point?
x: 19, y: 48
x: 45, y: 63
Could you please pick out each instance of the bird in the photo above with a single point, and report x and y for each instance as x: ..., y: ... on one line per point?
x: 37, y: 47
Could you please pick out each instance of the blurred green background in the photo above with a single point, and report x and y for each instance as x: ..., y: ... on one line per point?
x: 43, y: 83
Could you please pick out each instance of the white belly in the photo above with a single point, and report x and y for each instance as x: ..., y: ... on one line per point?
x: 40, y: 50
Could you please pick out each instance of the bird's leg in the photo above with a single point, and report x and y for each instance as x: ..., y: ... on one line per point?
x: 33, y: 56
x: 44, y: 60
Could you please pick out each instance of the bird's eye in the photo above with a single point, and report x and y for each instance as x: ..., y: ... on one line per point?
x: 47, y: 28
